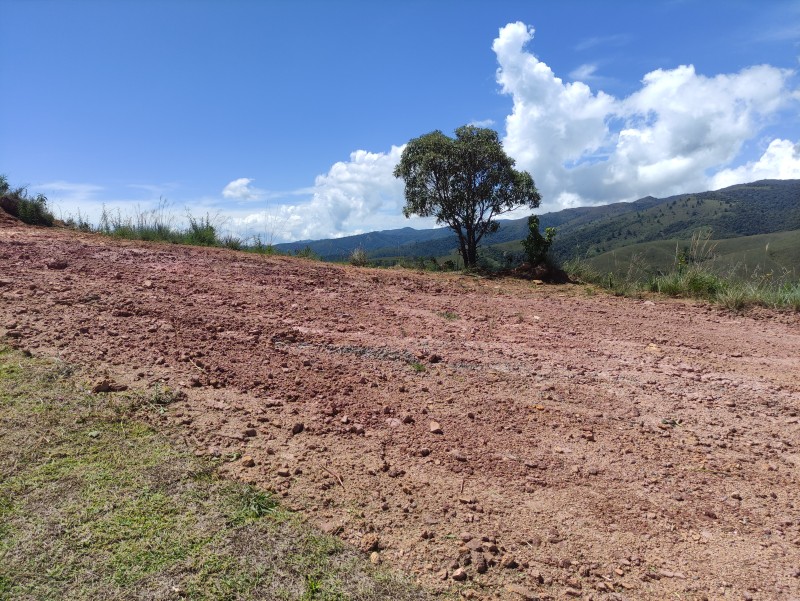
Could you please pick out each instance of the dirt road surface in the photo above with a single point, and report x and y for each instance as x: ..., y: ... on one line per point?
x: 493, y: 438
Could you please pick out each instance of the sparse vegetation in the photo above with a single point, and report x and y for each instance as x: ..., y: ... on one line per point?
x: 358, y: 257
x: 32, y: 210
x: 96, y: 505
x: 694, y: 276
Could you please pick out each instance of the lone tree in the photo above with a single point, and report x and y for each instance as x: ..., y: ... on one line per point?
x: 465, y: 182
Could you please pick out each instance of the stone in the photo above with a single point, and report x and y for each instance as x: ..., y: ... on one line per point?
x: 508, y: 561
x: 459, y: 575
x: 297, y: 428
x: 375, y: 558
x: 436, y: 428
x: 57, y: 264
x: 284, y: 472
x: 248, y: 461
x: 479, y: 562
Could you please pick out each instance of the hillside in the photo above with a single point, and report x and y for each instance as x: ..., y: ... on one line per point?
x: 491, y: 438
x: 762, y: 207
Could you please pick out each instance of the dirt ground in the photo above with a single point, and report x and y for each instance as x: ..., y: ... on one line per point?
x: 492, y: 437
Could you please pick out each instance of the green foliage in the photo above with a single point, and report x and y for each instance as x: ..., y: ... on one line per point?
x: 28, y: 209
x: 465, y: 182
x: 537, y: 246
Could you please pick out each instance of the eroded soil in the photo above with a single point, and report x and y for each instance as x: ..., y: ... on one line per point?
x: 493, y: 437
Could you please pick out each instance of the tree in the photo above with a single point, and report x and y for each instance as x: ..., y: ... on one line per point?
x: 537, y: 246
x: 465, y: 182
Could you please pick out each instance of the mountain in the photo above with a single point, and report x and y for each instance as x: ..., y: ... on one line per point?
x: 762, y: 207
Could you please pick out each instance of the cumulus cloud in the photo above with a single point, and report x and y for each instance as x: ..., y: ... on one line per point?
x: 669, y: 136
x: 781, y: 160
x: 354, y: 196
x: 240, y: 189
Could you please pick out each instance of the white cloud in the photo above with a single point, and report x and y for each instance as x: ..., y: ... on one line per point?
x: 482, y: 123
x: 240, y: 189
x: 781, y: 160
x: 591, y: 147
x: 585, y: 71
x: 354, y: 196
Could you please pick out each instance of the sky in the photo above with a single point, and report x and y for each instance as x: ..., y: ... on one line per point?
x: 286, y: 118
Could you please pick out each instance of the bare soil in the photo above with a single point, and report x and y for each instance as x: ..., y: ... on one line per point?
x: 493, y: 437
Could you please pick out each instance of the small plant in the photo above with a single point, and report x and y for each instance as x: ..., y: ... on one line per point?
x: 306, y: 253
x: 448, y: 315
x: 417, y: 366
x: 537, y: 246
x: 232, y: 242
x: 358, y: 257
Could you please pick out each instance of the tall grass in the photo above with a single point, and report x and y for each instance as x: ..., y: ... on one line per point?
x: 693, y: 275
x: 32, y: 210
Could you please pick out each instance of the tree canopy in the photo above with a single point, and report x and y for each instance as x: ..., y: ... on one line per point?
x: 465, y: 182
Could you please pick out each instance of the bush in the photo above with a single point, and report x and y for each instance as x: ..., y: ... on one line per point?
x: 537, y: 246
x: 358, y: 257
x: 28, y: 209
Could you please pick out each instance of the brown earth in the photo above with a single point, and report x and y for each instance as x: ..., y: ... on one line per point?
x: 536, y: 441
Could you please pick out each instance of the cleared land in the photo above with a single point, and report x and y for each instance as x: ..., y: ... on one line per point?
x: 508, y: 440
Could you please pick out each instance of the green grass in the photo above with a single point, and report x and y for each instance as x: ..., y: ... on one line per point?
x: 97, y: 505
x: 29, y: 209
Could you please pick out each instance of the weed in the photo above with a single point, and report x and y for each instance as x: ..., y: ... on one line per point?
x: 448, y: 315
x: 358, y: 257
x: 417, y: 366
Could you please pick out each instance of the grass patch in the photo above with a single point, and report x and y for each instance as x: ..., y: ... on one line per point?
x: 95, y: 505
x: 694, y: 275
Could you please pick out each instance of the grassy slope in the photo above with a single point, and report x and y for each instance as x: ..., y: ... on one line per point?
x: 766, y: 253
x: 95, y: 505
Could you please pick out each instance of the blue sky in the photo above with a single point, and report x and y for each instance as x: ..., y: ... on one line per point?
x: 288, y: 117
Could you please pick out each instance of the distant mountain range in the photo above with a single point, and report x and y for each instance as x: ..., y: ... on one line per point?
x: 757, y: 208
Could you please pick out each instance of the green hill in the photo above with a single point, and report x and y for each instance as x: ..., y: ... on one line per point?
x: 746, y: 210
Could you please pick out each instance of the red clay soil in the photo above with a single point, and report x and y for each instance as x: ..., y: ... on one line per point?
x: 492, y: 437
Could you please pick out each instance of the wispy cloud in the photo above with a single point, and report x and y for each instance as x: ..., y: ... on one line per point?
x: 619, y: 39
x: 482, y: 123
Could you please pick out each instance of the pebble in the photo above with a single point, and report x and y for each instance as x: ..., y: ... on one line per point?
x: 375, y: 558
x: 297, y: 428
x: 459, y: 575
x: 284, y: 472
x: 248, y: 461
x: 436, y: 428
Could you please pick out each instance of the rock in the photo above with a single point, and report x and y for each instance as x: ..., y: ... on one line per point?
x: 250, y: 432
x: 57, y: 264
x: 375, y: 558
x: 396, y: 473
x: 465, y: 537
x: 458, y: 455
x: 459, y: 575
x: 248, y: 461
x: 424, y: 452
x: 108, y: 386
x: 393, y: 422
x: 436, y: 428
x: 370, y: 543
x: 297, y: 428
x: 434, y: 358
x: 479, y: 561
x: 284, y: 472
x: 508, y: 561
x: 524, y: 592
x: 572, y: 592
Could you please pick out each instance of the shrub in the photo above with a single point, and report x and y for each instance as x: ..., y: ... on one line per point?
x: 537, y: 246
x: 28, y: 209
x: 358, y: 257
